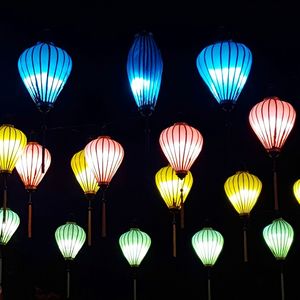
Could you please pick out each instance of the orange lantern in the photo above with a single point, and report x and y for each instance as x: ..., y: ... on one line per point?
x: 181, y: 144
x: 29, y: 167
x: 103, y: 156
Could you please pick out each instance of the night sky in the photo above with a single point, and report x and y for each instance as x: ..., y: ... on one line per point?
x: 97, y: 100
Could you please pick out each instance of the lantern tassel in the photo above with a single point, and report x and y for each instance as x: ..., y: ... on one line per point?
x: 275, y: 185
x: 90, y: 224
x: 103, y: 229
x: 181, y: 210
x: 29, y: 216
x: 68, y: 279
x: 174, y: 235
x: 134, y: 284
x: 4, y: 196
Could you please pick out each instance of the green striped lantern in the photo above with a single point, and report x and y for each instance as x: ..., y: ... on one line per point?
x: 70, y: 238
x: 134, y: 245
x: 208, y: 244
x: 279, y: 236
x: 9, y: 226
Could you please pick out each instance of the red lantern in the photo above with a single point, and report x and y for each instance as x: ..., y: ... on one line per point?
x: 272, y: 121
x: 103, y: 156
x: 29, y: 168
x: 181, y: 144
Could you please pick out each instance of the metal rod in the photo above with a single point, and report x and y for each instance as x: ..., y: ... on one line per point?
x: 134, y: 288
x: 1, y: 268
x: 275, y: 185
x: 68, y: 281
x: 208, y: 284
x: 29, y: 215
x: 174, y: 234
x: 4, y: 196
x: 245, y: 241
x: 103, y: 229
x: 90, y: 224
x: 282, y: 285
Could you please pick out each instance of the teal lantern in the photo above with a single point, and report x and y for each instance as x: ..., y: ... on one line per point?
x: 279, y: 236
x: 8, y: 226
x: 208, y: 244
x: 224, y: 67
x: 70, y: 238
x: 44, y: 69
x: 134, y: 245
x: 144, y: 70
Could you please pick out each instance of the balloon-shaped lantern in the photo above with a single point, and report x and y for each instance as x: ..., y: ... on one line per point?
x: 296, y: 190
x: 134, y: 245
x: 8, y: 228
x: 29, y: 168
x: 224, y: 67
x: 181, y: 145
x: 243, y: 190
x: 279, y: 236
x: 272, y: 121
x: 70, y: 238
x: 87, y: 182
x: 12, y: 144
x: 44, y: 69
x: 208, y: 244
x: 174, y: 192
x: 103, y: 156
x: 144, y: 70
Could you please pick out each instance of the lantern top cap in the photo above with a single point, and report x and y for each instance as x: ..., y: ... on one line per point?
x: 104, y: 137
x: 70, y: 222
x: 180, y: 123
x: 8, y: 125
x: 143, y: 33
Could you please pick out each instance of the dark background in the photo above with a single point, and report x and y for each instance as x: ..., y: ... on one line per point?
x: 97, y: 100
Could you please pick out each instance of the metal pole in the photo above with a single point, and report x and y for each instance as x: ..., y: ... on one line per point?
x: 208, y: 284
x: 275, y: 185
x: 68, y: 279
x: 282, y: 282
x: 174, y: 234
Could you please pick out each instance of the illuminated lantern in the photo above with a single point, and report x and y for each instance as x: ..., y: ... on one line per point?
x: 225, y: 67
x: 135, y: 245
x: 208, y: 244
x: 279, y: 236
x: 174, y: 192
x: 103, y: 156
x: 29, y: 168
x: 87, y: 182
x: 296, y: 190
x: 12, y: 144
x: 44, y: 69
x: 8, y: 228
x: 181, y: 145
x: 144, y: 70
x: 243, y: 190
x: 272, y: 121
x: 70, y: 238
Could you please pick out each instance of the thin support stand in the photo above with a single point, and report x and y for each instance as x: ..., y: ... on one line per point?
x: 245, y: 239
x: 90, y: 223
x: 275, y: 185
x: 134, y: 282
x: 208, y: 284
x: 44, y: 128
x: 181, y: 210
x: 29, y: 215
x: 4, y: 196
x: 68, y: 269
x: 282, y: 282
x: 103, y: 229
x: 174, y: 234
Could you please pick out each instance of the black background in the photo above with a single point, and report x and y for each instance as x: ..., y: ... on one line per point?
x: 97, y: 100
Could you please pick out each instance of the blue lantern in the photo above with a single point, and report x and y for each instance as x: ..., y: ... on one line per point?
x: 44, y: 69
x: 144, y: 70
x: 224, y: 67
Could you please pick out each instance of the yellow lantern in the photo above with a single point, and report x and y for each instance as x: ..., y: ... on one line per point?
x: 12, y: 143
x: 296, y: 190
x: 174, y: 192
x: 243, y: 190
x: 87, y: 182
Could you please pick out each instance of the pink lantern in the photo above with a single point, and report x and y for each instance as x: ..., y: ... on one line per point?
x: 30, y: 169
x: 181, y: 144
x: 103, y: 156
x: 272, y: 121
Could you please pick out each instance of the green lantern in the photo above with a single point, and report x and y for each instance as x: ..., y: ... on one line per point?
x: 134, y: 245
x: 9, y: 226
x: 279, y: 236
x: 208, y: 244
x: 70, y: 238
